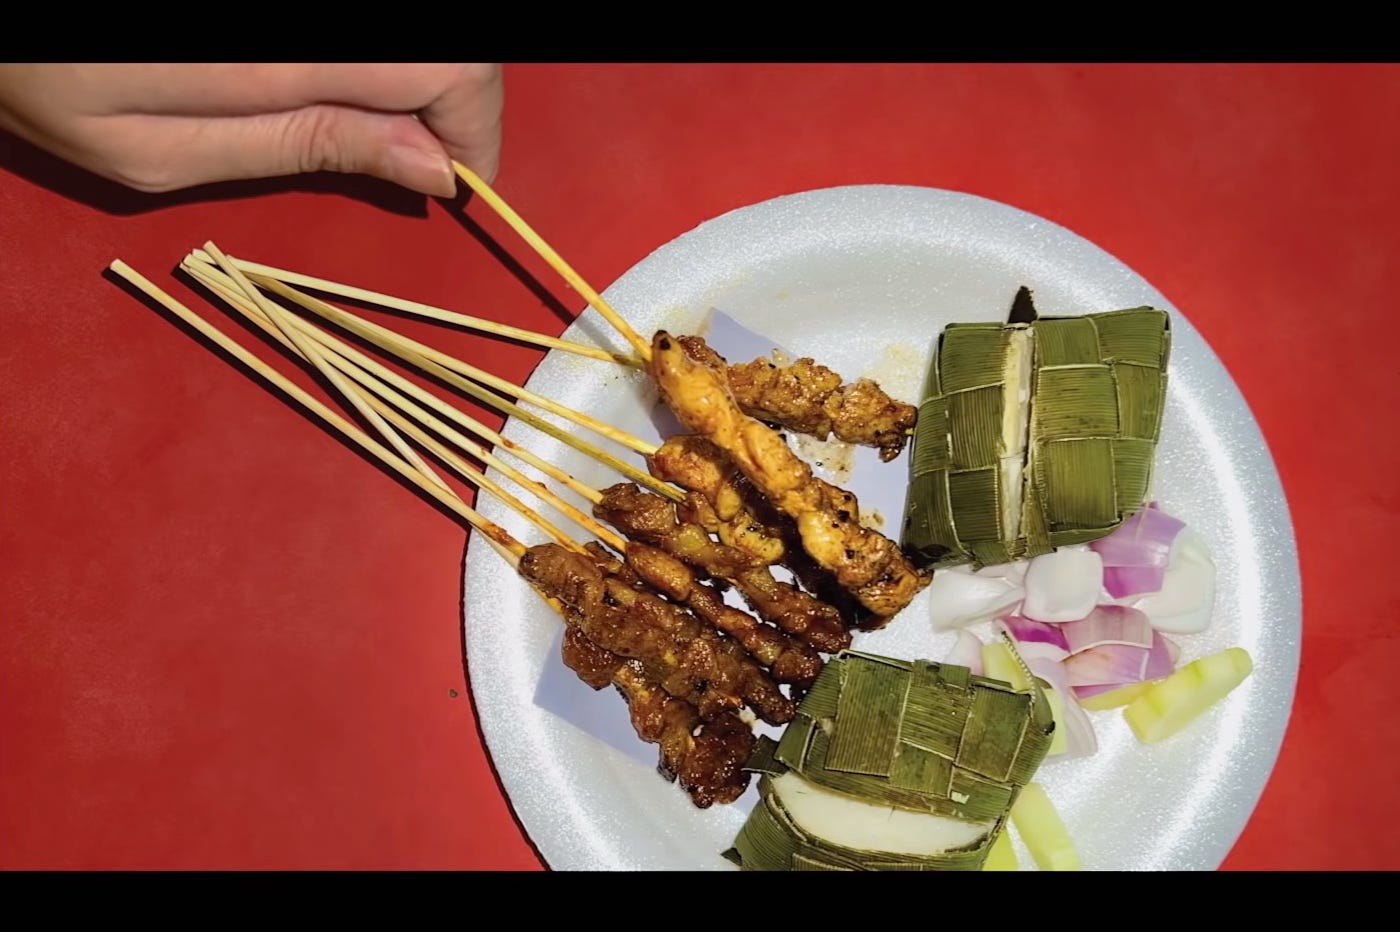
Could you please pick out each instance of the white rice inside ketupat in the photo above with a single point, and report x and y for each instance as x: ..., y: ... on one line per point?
x: 849, y: 822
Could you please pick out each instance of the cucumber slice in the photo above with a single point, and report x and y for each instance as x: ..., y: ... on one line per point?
x: 1041, y: 828
x: 1169, y: 705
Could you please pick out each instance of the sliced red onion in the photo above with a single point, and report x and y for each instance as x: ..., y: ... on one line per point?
x: 966, y: 652
x: 1108, y: 624
x: 1184, y: 603
x: 1112, y: 665
x: 1025, y: 630
x: 1088, y: 692
x: 1173, y: 650
x: 959, y: 598
x: 1063, y: 585
x: 1108, y: 664
x: 1160, y: 661
x: 1080, y: 740
x: 1041, y: 651
x: 1144, y: 540
x: 1192, y: 622
x: 1122, y: 581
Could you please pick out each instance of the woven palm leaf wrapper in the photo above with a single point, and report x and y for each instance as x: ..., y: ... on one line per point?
x: 1035, y: 435
x: 918, y: 737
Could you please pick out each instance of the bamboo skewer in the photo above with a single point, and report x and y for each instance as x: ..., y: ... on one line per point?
x: 498, y: 537
x: 479, y: 478
x: 383, y: 393
x: 370, y: 330
x: 313, y: 355
x: 510, y: 409
x: 579, y: 517
x: 391, y: 342
x: 419, y: 309
x: 214, y: 279
x: 555, y: 261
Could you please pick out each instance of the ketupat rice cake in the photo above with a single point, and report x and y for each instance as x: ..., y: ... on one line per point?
x: 893, y: 765
x: 1035, y: 435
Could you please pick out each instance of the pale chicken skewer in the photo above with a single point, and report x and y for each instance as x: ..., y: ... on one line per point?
x: 807, y: 397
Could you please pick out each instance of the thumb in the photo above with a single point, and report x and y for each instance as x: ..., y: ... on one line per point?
x: 394, y: 147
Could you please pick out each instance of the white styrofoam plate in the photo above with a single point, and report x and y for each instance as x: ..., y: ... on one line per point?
x: 864, y: 278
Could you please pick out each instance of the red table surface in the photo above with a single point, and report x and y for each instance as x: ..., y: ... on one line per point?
x: 230, y: 642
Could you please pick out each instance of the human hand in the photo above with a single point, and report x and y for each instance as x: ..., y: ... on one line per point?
x: 164, y: 126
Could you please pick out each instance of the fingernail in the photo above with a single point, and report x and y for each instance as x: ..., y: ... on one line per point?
x: 422, y: 170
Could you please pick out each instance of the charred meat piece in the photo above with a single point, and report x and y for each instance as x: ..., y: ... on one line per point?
x: 707, y: 658
x: 594, y: 665
x: 651, y: 519
x: 706, y: 758
x: 787, y: 659
x: 864, y: 562
x: 713, y: 770
x: 811, y: 399
x: 582, y: 589
x: 794, y: 611
x: 689, y: 659
x: 721, y: 500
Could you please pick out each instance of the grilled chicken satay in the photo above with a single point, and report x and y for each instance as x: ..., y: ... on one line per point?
x: 722, y: 500
x: 705, y: 758
x: 811, y: 399
x: 867, y: 564
x: 689, y: 659
x: 653, y: 520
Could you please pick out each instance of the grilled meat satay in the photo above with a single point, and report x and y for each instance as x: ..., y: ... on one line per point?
x: 595, y: 665
x: 690, y: 660
x: 866, y: 563
x: 705, y: 758
x: 697, y: 465
x: 653, y: 520
x: 707, y: 654
x: 802, y: 614
x: 811, y: 399
x: 787, y: 659
x: 581, y: 588
x: 720, y: 499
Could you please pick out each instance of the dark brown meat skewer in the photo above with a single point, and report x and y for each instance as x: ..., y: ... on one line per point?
x: 723, y: 501
x: 705, y: 758
x: 653, y: 520
x: 690, y: 660
x: 787, y: 659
